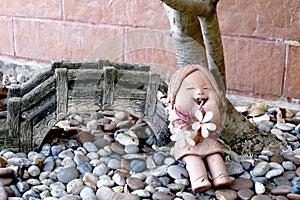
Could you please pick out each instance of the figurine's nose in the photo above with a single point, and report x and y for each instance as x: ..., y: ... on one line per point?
x: 199, y: 91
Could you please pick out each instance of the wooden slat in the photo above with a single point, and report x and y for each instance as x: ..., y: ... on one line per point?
x: 38, y: 93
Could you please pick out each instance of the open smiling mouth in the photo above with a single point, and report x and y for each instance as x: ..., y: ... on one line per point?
x: 201, y: 101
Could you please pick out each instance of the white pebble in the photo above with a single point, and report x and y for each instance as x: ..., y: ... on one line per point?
x: 259, y: 188
x: 141, y: 193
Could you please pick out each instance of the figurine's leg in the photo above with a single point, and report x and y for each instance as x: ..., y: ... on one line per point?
x: 218, y: 170
x: 197, y: 173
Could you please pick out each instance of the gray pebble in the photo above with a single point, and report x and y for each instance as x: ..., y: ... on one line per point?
x: 90, y: 147
x: 114, y: 164
x: 118, y: 179
x: 67, y: 174
x: 137, y: 166
x: 176, y: 172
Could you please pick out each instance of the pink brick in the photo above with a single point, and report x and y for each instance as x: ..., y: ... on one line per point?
x: 153, y: 47
x: 51, y: 9
x: 6, y: 36
x: 129, y: 12
x: 269, y: 18
x: 160, y: 61
x: 292, y: 86
x: 49, y: 40
x: 254, y: 67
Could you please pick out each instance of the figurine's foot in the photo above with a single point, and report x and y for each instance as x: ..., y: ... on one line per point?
x: 201, y: 184
x: 221, y: 181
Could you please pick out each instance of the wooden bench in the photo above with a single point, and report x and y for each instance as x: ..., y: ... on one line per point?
x: 69, y: 87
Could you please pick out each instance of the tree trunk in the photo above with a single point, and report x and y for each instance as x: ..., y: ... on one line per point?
x: 237, y: 129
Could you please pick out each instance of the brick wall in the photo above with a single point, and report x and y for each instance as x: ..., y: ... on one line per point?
x: 260, y: 38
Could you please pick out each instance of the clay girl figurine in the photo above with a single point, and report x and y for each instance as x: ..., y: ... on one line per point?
x: 195, y: 112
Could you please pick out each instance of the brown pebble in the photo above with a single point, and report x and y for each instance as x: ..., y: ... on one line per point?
x: 39, y: 162
x: 6, y: 172
x: 109, y: 127
x: 281, y: 190
x: 135, y: 183
x: 125, y: 124
x: 227, y: 194
x: 3, y: 162
x: 104, y: 121
x: 261, y: 197
x: 108, y: 113
x: 6, y: 181
x: 245, y: 194
x: 289, y: 175
x: 241, y: 183
x: 281, y: 198
x: 293, y: 196
x: 298, y: 171
x: 84, y: 136
x: 125, y: 165
x: 118, y: 148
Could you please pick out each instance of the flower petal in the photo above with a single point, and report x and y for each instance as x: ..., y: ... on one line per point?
x: 190, y: 141
x: 173, y: 137
x: 196, y: 126
x: 209, y: 126
x: 199, y: 115
x: 173, y: 116
x: 181, y: 142
x: 204, y: 132
x: 208, y: 116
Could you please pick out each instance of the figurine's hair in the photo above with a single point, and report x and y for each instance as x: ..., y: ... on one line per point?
x: 183, y: 72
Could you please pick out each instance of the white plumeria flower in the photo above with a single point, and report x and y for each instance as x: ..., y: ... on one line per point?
x: 182, y: 137
x: 202, y: 123
x: 173, y: 115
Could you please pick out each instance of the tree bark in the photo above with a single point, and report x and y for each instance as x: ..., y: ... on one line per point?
x: 187, y: 38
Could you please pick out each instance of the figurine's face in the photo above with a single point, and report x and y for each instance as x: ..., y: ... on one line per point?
x: 195, y: 91
x: 192, y: 92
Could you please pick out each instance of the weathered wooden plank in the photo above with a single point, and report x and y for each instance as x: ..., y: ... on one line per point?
x: 134, y: 77
x: 26, y: 136
x: 35, y: 81
x: 13, y: 115
x: 80, y: 65
x: 40, y: 109
x: 132, y: 67
x: 151, y: 99
x: 125, y: 93
x: 61, y: 91
x: 85, y: 74
x: 110, y: 74
x: 38, y: 93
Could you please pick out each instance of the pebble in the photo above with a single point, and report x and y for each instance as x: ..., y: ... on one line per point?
x: 226, y: 194
x: 261, y: 169
x: 90, y: 147
x: 101, y: 162
x: 137, y: 166
x: 163, y: 195
x: 176, y: 172
x: 241, y: 183
x: 245, y: 194
x: 259, y: 188
x: 67, y: 174
x: 88, y: 193
x: 135, y: 183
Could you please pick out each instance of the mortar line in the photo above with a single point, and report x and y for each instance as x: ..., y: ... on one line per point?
x: 285, y: 69
x: 14, y: 37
